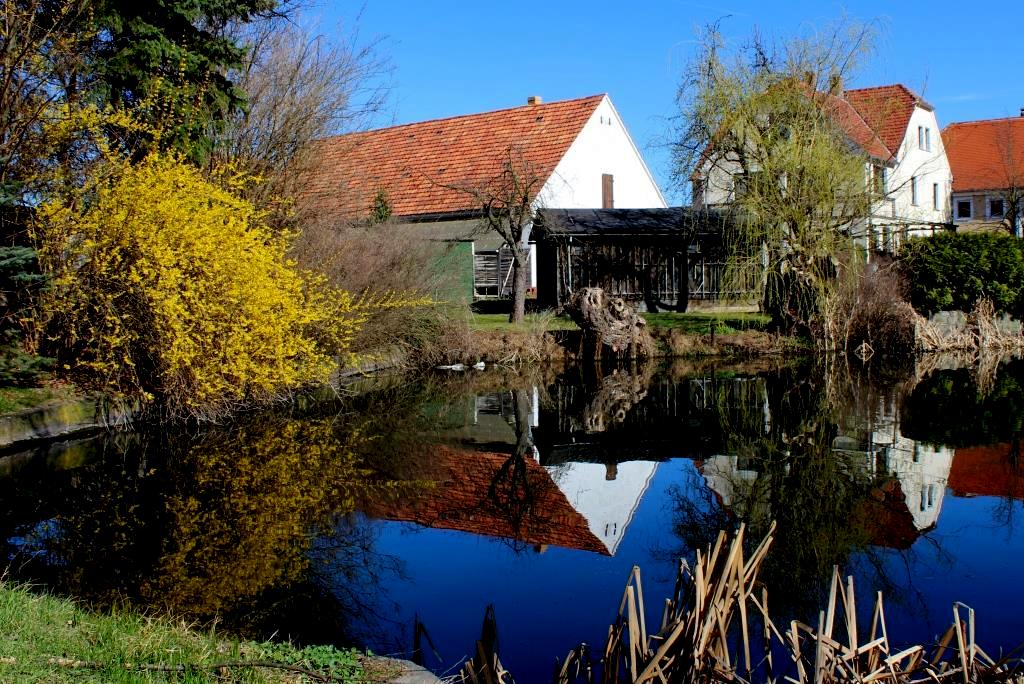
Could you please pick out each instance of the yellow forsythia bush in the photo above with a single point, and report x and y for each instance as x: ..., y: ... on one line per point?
x: 169, y: 287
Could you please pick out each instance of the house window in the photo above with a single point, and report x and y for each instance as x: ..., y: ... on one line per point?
x: 607, y: 191
x: 913, y: 191
x: 996, y: 208
x: 963, y: 209
x: 924, y: 138
x: 935, y: 196
x: 878, y: 179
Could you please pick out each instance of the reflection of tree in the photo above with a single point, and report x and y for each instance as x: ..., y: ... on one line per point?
x: 198, y: 526
x: 780, y: 441
x: 947, y: 407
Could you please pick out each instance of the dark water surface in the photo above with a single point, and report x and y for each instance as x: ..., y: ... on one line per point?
x: 392, y: 520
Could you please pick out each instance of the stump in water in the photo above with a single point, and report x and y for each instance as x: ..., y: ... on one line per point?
x: 611, y: 328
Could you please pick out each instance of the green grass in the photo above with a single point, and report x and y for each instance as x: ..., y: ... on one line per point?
x: 699, y: 322
x: 492, y: 322
x: 13, y: 399
x: 44, y: 638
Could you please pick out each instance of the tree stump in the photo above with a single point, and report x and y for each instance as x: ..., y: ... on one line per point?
x: 611, y: 328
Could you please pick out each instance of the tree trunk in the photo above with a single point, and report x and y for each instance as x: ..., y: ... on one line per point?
x: 683, y: 298
x: 520, y: 283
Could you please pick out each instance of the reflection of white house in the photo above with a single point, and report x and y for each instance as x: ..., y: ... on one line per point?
x: 922, y: 470
x: 607, y: 504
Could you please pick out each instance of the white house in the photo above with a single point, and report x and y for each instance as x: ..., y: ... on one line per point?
x: 579, y: 151
x: 904, y: 159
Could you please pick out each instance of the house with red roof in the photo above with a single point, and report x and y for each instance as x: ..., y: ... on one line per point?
x: 987, y: 158
x: 904, y: 161
x: 579, y: 151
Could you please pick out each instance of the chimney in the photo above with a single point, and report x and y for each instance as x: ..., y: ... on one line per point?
x: 534, y: 100
x: 1022, y: 111
x: 835, y: 84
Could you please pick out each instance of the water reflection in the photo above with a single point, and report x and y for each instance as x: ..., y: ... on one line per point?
x: 407, y: 510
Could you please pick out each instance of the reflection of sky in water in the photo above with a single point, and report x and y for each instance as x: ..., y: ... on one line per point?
x: 545, y: 603
x: 973, y: 557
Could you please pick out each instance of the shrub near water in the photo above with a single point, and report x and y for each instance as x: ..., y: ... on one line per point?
x: 954, y: 270
x: 167, y: 286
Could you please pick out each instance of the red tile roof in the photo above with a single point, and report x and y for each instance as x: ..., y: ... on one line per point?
x: 418, y: 163
x: 986, y: 155
x: 856, y: 128
x: 987, y: 471
x: 887, y: 110
x: 470, y: 496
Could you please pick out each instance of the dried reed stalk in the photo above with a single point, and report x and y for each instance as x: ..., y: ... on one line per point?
x: 710, y: 614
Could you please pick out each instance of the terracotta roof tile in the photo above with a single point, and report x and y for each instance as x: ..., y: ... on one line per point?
x: 464, y: 500
x: 848, y: 118
x: 986, y: 155
x: 415, y: 163
x: 887, y: 110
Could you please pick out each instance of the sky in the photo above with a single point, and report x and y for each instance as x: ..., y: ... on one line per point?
x: 451, y: 57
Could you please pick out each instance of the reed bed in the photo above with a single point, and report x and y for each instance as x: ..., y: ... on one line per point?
x: 716, y: 627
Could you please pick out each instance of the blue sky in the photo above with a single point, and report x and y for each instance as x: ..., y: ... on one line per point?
x: 453, y: 57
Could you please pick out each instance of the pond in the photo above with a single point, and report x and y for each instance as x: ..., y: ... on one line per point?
x: 393, y: 519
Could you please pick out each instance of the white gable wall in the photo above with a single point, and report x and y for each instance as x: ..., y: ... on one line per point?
x: 603, y: 146
x: 930, y: 167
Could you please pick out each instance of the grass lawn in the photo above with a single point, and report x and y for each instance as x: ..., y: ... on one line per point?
x: 699, y: 322
x: 44, y: 638
x: 490, y: 322
x: 695, y: 323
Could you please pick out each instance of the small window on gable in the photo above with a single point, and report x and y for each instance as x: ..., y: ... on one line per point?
x: 935, y: 196
x: 607, y: 191
x: 914, y: 199
x: 963, y: 209
x: 924, y: 138
x: 996, y: 208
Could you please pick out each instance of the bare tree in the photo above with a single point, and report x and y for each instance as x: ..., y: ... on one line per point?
x: 508, y: 202
x: 300, y: 87
x: 1010, y: 167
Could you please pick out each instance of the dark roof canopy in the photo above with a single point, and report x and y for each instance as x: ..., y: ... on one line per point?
x: 629, y: 222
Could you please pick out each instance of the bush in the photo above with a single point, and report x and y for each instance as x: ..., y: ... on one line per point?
x: 167, y: 286
x: 954, y: 270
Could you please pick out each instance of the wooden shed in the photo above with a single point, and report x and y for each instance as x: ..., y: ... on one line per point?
x: 654, y: 258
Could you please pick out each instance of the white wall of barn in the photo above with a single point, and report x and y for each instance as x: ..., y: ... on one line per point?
x: 604, y: 146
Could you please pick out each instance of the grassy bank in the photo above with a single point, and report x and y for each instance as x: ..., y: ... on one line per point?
x: 44, y: 638
x: 695, y: 323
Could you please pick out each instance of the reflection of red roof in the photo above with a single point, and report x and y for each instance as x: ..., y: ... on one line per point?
x: 886, y: 518
x: 887, y: 110
x: 421, y: 165
x: 986, y: 155
x: 988, y: 471
x: 472, y: 495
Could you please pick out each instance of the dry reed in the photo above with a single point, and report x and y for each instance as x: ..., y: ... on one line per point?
x: 716, y: 627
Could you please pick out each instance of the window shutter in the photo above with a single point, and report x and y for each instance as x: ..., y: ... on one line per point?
x: 607, y: 191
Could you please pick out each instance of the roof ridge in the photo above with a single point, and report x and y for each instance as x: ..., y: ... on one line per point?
x: 542, y: 105
x: 976, y: 122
